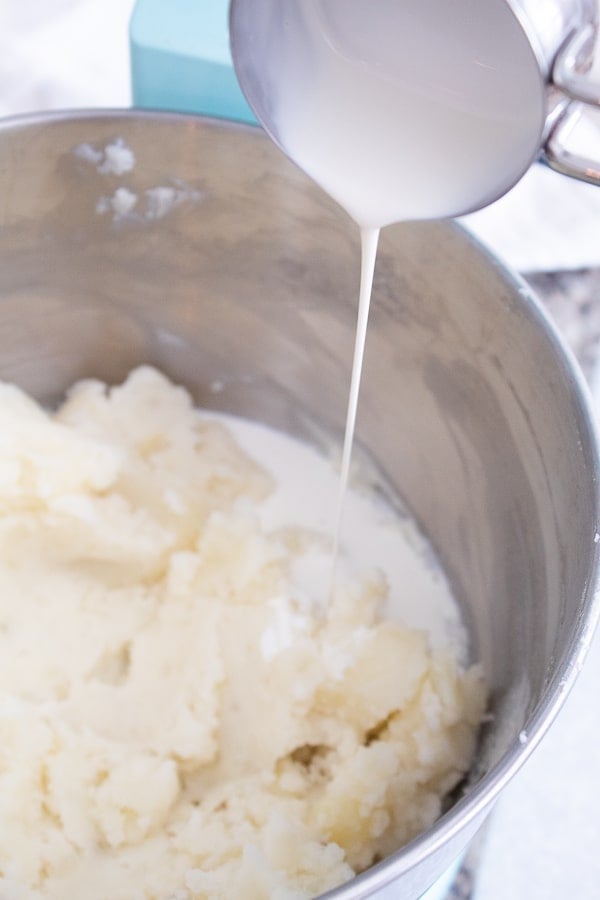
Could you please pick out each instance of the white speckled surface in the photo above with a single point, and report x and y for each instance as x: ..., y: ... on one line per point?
x: 543, y: 839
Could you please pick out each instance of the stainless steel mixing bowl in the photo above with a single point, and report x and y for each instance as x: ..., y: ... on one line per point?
x: 246, y: 292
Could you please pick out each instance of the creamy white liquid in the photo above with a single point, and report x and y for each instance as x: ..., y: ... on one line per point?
x: 369, y: 240
x: 399, y: 109
x: 389, y: 113
x: 374, y: 538
x: 403, y: 109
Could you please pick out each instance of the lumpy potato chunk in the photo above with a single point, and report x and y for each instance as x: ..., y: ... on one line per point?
x: 176, y: 719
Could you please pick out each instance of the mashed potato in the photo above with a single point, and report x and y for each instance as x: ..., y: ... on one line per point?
x: 156, y: 740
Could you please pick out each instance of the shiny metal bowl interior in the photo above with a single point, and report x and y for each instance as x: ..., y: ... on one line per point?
x: 470, y: 407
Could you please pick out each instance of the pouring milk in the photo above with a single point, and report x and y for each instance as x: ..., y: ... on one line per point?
x: 399, y: 109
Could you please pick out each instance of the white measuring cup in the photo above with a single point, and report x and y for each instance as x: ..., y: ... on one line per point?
x: 419, y: 108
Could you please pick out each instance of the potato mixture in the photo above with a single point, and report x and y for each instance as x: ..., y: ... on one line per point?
x: 156, y: 740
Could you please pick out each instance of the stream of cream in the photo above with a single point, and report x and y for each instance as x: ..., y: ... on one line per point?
x: 369, y: 238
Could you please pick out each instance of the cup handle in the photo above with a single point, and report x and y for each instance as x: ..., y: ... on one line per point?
x: 556, y: 152
x: 577, y: 90
x: 571, y: 66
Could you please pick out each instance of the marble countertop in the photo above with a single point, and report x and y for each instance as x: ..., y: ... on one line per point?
x: 573, y: 300
x: 542, y: 840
